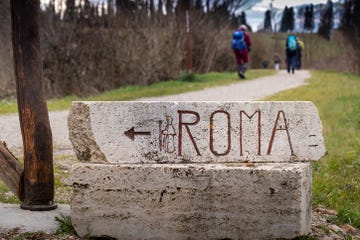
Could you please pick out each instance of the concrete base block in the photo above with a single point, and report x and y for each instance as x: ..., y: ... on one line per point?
x: 192, y: 201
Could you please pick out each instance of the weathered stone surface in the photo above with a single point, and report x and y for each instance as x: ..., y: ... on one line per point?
x: 81, y: 135
x: 192, y: 201
x: 188, y: 132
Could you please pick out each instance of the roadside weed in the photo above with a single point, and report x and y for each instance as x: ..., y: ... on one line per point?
x: 64, y: 225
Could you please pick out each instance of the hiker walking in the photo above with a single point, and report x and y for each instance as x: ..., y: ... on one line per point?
x: 291, y: 51
x: 277, y: 62
x: 299, y: 49
x: 241, y: 44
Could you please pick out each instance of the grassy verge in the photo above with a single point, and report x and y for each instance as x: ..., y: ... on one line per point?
x: 336, y: 177
x: 184, y: 84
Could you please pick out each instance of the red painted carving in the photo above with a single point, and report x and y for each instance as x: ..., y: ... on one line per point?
x: 258, y: 129
x: 186, y: 125
x: 278, y: 127
x: 188, y: 120
x: 212, y: 133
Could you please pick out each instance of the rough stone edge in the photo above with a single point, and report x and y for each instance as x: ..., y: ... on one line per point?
x: 81, y: 135
x: 306, y: 200
x: 305, y: 217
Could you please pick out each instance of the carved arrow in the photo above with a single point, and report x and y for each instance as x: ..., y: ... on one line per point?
x: 131, y: 133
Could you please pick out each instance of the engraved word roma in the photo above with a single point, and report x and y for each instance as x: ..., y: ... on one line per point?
x: 277, y: 126
x: 172, y: 138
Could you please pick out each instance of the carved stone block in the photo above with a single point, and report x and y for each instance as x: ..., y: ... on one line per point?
x: 192, y: 201
x: 190, y: 132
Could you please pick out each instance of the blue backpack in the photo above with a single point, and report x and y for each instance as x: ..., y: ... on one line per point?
x: 291, y: 43
x: 238, y: 41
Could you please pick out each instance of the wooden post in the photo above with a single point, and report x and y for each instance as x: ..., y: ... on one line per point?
x: 38, y: 178
x: 188, y: 37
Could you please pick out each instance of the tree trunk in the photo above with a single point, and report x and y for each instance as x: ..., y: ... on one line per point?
x: 34, y: 120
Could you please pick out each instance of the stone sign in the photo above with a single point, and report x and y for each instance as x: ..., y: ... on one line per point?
x: 193, y: 170
x: 189, y: 132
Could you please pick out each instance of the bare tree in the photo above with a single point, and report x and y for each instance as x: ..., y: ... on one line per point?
x: 351, y: 30
x: 309, y: 18
x: 267, y: 21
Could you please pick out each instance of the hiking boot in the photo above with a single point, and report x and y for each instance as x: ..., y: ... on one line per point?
x: 293, y: 71
x: 241, y: 75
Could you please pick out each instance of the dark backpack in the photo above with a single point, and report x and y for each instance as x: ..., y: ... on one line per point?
x: 291, y: 43
x: 238, y: 41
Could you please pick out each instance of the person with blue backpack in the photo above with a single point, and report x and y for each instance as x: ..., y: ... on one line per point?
x: 240, y: 45
x: 291, y: 53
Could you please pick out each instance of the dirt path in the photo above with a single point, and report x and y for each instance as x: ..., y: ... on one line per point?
x: 241, y: 91
x: 10, y: 133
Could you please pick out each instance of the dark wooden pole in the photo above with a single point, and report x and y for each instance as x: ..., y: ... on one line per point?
x: 189, y: 63
x: 38, y: 185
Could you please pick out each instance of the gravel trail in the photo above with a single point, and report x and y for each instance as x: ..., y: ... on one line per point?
x: 241, y: 91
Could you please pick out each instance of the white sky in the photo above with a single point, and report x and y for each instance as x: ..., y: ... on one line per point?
x: 255, y: 15
x: 264, y: 5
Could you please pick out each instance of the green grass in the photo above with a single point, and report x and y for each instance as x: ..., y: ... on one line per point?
x: 8, y: 106
x: 64, y: 225
x: 6, y: 196
x: 336, y: 177
x: 186, y: 83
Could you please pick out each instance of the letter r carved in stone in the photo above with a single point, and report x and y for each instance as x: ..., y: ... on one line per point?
x: 186, y: 125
